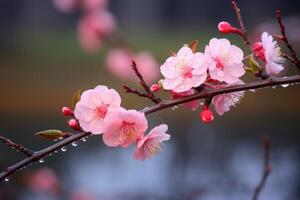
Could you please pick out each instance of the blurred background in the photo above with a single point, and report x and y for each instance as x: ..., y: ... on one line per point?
x: 42, y: 64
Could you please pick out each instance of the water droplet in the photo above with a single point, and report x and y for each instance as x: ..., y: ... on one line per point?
x: 41, y: 160
x: 74, y: 144
x: 285, y: 85
x: 6, y: 179
x: 274, y: 87
x: 63, y: 149
x: 61, y: 138
x: 55, y: 151
x: 84, y: 139
x: 50, y: 154
x: 201, y: 103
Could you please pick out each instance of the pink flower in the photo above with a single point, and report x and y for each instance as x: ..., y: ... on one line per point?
x: 66, y: 6
x: 149, y: 145
x: 224, y: 60
x: 193, y: 105
x: 124, y: 127
x: 269, y: 52
x: 119, y: 62
x: 44, y: 180
x: 223, y: 102
x: 94, y: 106
x: 184, y: 70
x: 93, y: 28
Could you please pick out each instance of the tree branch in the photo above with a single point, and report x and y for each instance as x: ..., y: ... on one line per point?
x: 294, y: 59
x: 205, y: 93
x: 149, y: 93
x: 266, y: 168
x: 27, y: 152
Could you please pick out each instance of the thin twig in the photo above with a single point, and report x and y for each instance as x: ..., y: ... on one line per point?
x: 150, y: 94
x: 27, y: 152
x: 240, y: 20
x: 134, y: 91
x: 266, y: 168
x: 284, y: 38
x: 205, y: 93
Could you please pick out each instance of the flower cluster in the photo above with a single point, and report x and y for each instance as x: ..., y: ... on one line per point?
x: 99, y: 111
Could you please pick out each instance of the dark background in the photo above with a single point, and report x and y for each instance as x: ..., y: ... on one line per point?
x: 42, y: 65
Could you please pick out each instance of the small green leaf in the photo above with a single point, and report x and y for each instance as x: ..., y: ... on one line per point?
x: 51, y: 134
x: 193, y: 45
x: 251, y: 65
x: 76, y: 97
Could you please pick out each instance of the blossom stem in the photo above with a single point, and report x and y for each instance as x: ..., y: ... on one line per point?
x: 205, y: 93
x: 294, y: 59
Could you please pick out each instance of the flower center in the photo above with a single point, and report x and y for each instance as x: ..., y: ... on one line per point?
x: 101, y: 111
x: 128, y: 131
x: 219, y: 64
x: 187, y: 72
x: 152, y: 147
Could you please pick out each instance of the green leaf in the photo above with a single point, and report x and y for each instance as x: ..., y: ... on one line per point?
x: 51, y: 134
x: 193, y: 45
x: 251, y: 65
x: 76, y: 97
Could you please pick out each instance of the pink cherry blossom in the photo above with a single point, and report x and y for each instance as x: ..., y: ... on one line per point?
x: 94, y: 106
x: 124, y: 127
x: 193, y: 105
x: 272, y: 54
x: 184, y: 70
x: 66, y: 6
x: 119, y: 63
x: 223, y: 102
x: 93, y: 28
x: 224, y: 60
x: 149, y: 145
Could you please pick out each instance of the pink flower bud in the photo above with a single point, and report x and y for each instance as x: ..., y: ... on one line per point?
x: 67, y: 111
x: 154, y: 88
x: 73, y: 123
x: 258, y: 50
x: 206, y: 115
x: 225, y: 27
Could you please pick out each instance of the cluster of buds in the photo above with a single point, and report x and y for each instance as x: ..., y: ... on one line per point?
x: 73, y: 123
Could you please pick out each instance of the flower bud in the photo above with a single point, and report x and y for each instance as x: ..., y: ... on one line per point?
x: 258, y: 50
x: 67, y: 111
x: 225, y: 27
x: 155, y: 88
x: 73, y: 123
x: 206, y: 115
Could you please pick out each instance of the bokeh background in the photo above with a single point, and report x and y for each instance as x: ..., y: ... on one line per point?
x: 42, y: 65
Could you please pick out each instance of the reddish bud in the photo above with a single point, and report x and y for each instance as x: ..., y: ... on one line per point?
x: 154, y: 88
x: 73, y: 123
x: 225, y: 27
x: 67, y: 111
x: 206, y: 115
x: 258, y: 50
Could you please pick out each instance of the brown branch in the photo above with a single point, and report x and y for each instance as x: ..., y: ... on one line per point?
x: 149, y: 93
x: 266, y: 168
x: 134, y: 91
x: 205, y: 93
x: 284, y: 38
x: 27, y: 152
x: 244, y: 33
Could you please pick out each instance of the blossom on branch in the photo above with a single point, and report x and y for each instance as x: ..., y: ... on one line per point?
x: 94, y: 106
x: 224, y: 60
x: 124, y: 127
x: 223, y: 102
x: 269, y: 52
x: 150, y: 145
x: 184, y: 70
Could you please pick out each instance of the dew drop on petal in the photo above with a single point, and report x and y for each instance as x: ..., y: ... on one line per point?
x: 63, y: 149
